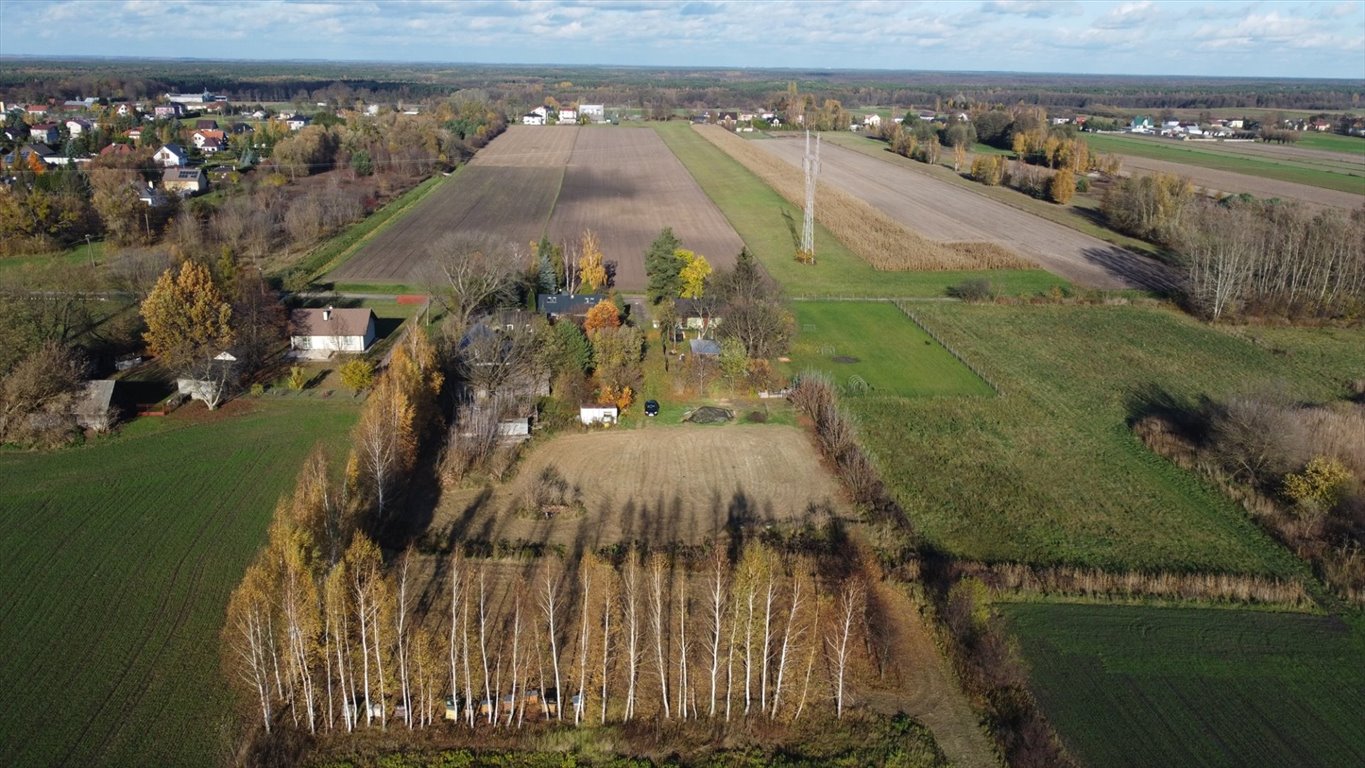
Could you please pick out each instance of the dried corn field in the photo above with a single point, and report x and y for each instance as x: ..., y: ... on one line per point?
x: 876, y: 237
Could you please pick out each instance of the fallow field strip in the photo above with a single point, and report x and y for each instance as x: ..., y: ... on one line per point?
x: 945, y: 213
x: 626, y: 186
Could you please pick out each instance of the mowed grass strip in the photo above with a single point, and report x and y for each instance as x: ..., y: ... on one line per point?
x: 1140, y: 686
x: 119, y: 558
x: 877, y: 343
x: 1051, y: 472
x: 770, y: 228
x: 1210, y: 157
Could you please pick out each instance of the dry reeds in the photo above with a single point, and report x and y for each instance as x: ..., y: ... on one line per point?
x: 1093, y: 582
x: 872, y: 235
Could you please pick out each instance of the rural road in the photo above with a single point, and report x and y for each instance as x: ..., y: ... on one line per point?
x: 941, y: 211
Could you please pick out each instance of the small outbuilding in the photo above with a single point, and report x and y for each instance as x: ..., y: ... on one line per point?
x: 598, y: 414
x: 705, y: 348
x: 318, y: 333
x: 95, y: 409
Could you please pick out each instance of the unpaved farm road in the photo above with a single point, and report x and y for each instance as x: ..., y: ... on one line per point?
x: 940, y: 211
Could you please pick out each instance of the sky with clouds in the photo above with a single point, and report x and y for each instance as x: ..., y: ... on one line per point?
x: 1325, y: 38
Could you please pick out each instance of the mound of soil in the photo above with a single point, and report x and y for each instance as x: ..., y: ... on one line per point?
x: 710, y: 415
x: 845, y: 359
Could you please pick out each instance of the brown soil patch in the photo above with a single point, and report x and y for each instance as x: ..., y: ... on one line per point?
x: 944, y: 212
x: 658, y: 484
x: 626, y: 186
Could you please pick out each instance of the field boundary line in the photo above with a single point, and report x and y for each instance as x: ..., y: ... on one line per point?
x: 951, y: 349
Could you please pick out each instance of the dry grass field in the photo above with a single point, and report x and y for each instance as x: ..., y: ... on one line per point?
x: 945, y: 213
x: 676, y: 484
x: 1228, y: 183
x: 623, y: 184
x: 626, y: 186
x: 881, y: 241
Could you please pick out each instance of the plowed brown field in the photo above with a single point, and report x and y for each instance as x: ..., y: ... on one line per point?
x: 623, y: 184
x: 941, y: 211
x: 626, y: 186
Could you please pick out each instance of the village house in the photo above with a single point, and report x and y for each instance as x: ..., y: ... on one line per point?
x: 206, y: 125
x: 169, y: 111
x: 184, y: 181
x: 531, y: 118
x: 569, y: 116
x: 297, y: 122
x: 36, y: 110
x: 200, y: 137
x: 319, y: 333
x: 77, y: 126
x: 171, y: 155
x: 47, y: 133
x: 117, y: 150
x: 594, y: 112
x: 559, y: 304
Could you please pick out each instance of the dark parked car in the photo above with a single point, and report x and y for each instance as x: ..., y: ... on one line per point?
x: 651, y: 407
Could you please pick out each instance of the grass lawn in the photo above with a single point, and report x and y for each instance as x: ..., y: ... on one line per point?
x: 1210, y: 156
x: 876, y: 342
x: 1050, y: 472
x: 766, y: 222
x: 120, y: 557
x: 1139, y: 686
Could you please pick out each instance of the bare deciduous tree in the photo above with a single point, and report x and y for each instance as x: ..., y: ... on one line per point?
x: 469, y: 271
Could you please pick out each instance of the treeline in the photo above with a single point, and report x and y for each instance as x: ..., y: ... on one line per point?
x: 1243, y: 256
x: 333, y: 641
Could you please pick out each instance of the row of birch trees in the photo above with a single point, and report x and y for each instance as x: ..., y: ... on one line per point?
x: 342, y: 645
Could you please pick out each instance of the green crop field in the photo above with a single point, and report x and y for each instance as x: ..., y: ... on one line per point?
x: 1333, y: 142
x: 1138, y: 686
x: 1334, y: 177
x: 765, y: 221
x: 876, y: 342
x: 119, y: 558
x: 1050, y: 472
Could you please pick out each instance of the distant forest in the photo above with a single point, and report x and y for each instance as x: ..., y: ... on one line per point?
x: 25, y: 79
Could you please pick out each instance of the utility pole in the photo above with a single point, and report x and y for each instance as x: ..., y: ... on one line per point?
x: 811, y: 165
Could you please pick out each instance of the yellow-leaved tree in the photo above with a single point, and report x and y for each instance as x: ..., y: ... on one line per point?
x: 694, y: 273
x: 591, y: 271
x: 187, y: 316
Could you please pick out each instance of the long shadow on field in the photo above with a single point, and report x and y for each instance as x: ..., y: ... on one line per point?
x: 1142, y: 271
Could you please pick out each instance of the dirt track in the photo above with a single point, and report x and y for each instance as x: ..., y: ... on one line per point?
x: 626, y: 186
x: 1227, y: 182
x: 940, y: 211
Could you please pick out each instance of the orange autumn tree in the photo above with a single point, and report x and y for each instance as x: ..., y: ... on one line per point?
x: 602, y: 316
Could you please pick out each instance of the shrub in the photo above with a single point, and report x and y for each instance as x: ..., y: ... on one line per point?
x: 357, y: 374
x: 297, y: 378
x: 1082, y: 185
x: 975, y: 289
x: 1062, y: 187
x: 1319, y: 486
x: 989, y: 169
x: 257, y: 389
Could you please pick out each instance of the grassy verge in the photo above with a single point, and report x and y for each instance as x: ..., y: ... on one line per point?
x: 337, y: 249
x: 1051, y: 473
x: 120, y: 558
x: 766, y: 222
x: 877, y: 344
x: 1134, y: 686
x: 1081, y: 215
x: 1211, y: 157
